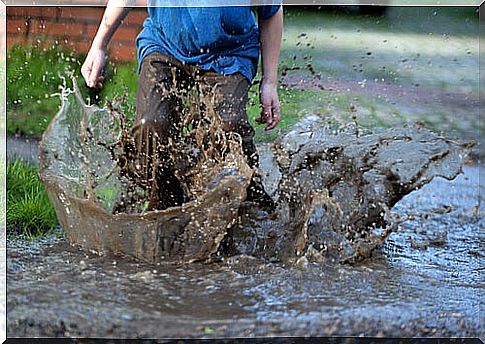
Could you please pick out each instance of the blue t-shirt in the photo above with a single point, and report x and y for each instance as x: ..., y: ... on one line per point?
x: 223, y: 39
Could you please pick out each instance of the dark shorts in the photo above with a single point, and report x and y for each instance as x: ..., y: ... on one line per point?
x: 158, y: 112
x: 158, y: 119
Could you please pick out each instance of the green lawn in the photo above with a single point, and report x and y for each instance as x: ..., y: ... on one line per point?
x: 33, y: 76
x: 29, y: 211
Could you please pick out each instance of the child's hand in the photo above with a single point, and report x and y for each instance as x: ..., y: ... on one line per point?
x: 92, y: 68
x: 270, y: 103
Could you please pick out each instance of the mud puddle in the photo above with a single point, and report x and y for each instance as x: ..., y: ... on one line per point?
x: 427, y: 280
x: 327, y: 261
x: 332, y: 187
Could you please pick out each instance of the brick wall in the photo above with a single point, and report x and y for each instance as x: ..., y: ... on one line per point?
x: 73, y: 27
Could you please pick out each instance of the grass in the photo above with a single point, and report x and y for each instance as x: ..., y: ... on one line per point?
x: 2, y: 193
x: 29, y: 211
x: 35, y: 74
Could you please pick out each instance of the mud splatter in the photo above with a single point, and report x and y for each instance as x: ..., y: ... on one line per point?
x: 89, y: 200
x: 402, y: 291
x: 333, y: 189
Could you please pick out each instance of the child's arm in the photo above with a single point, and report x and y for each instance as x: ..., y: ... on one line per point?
x: 92, y: 68
x: 271, y: 31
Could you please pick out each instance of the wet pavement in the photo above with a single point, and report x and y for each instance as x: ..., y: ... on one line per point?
x: 21, y: 148
x: 427, y: 281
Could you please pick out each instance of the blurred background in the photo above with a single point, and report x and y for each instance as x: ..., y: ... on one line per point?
x: 390, y: 64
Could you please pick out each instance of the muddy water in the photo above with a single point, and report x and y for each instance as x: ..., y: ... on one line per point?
x: 332, y: 186
x: 426, y: 280
x: 285, y: 273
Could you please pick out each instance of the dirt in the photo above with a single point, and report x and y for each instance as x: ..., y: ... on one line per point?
x: 55, y: 289
x: 333, y: 188
x: 266, y: 274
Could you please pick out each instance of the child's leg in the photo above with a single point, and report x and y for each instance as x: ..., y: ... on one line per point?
x: 157, y: 117
x: 231, y: 108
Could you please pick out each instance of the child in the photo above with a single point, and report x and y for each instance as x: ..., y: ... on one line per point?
x: 180, y: 46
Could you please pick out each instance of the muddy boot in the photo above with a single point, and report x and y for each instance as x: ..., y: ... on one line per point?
x: 257, y: 194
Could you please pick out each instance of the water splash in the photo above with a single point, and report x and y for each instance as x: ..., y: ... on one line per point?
x: 83, y: 167
x: 333, y: 191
